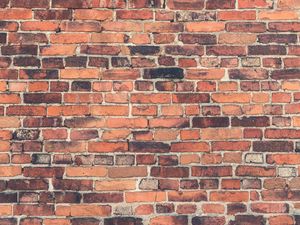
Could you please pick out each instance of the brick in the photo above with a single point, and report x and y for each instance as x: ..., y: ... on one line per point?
x: 255, y: 171
x: 171, y: 73
x: 92, y: 14
x: 237, y: 15
x: 186, y: 5
x: 123, y: 220
x: 250, y: 122
x: 189, y: 147
x: 220, y: 4
x: 107, y: 146
x: 116, y: 185
x: 138, y: 4
x: 208, y: 220
x: 52, y: 14
x: 169, y: 172
x: 89, y: 210
x: 285, y: 74
x: 249, y: 27
x: 269, y: 207
x: 34, y: 210
x: 278, y: 15
x: 72, y: 4
x: 148, y: 147
x: 248, y: 74
x: 134, y: 15
x: 132, y: 197
x: 119, y: 172
x: 205, y: 26
x: 213, y: 171
x: 15, y: 14
x: 255, y: 4
x: 284, y: 26
x: 203, y: 122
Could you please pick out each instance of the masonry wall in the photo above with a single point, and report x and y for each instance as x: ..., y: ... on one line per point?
x: 136, y: 112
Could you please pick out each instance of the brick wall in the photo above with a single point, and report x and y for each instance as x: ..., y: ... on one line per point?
x: 160, y: 112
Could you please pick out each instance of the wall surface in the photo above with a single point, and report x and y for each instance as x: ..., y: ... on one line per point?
x: 160, y: 112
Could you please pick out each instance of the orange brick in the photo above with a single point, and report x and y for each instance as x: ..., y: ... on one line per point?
x: 115, y: 185
x: 10, y: 171
x: 205, y: 26
x: 145, y: 196
x: 86, y: 171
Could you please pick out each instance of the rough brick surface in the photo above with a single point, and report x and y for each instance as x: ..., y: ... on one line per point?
x: 149, y: 112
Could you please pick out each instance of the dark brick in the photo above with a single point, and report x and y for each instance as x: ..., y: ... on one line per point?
x: 4, y: 3
x: 273, y: 146
x: 170, y: 171
x: 204, y: 122
x: 203, y: 39
x: 164, y: 73
x: 19, y: 50
x: 155, y: 147
x: 74, y: 185
x: 28, y: 184
x: 100, y: 49
x: 252, y: 27
x: 206, y: 220
x: 226, y: 50
x: 85, y: 221
x: 123, y: 221
x: 55, y: 63
x: 8, y: 221
x: 27, y: 62
x: 191, y: 98
x: 29, y: 4
x: 248, y: 219
x: 37, y: 98
x: 186, y: 50
x: 186, y: 5
x: 277, y: 38
x: 72, y: 4
x: 189, y: 184
x: 267, y: 50
x: 8, y: 197
x: 209, y: 184
x: 103, y: 197
x: 220, y: 4
x: 76, y: 61
x: 3, y: 37
x: 42, y: 122
x: 59, y: 86
x: 235, y: 208
x: 253, y: 121
x: 144, y: 50
x: 211, y: 171
x: 53, y: 14
x: 285, y: 74
x: 81, y: 86
x: 137, y: 4
x: 248, y: 74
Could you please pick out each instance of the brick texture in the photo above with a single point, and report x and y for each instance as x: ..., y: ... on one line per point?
x: 149, y: 112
